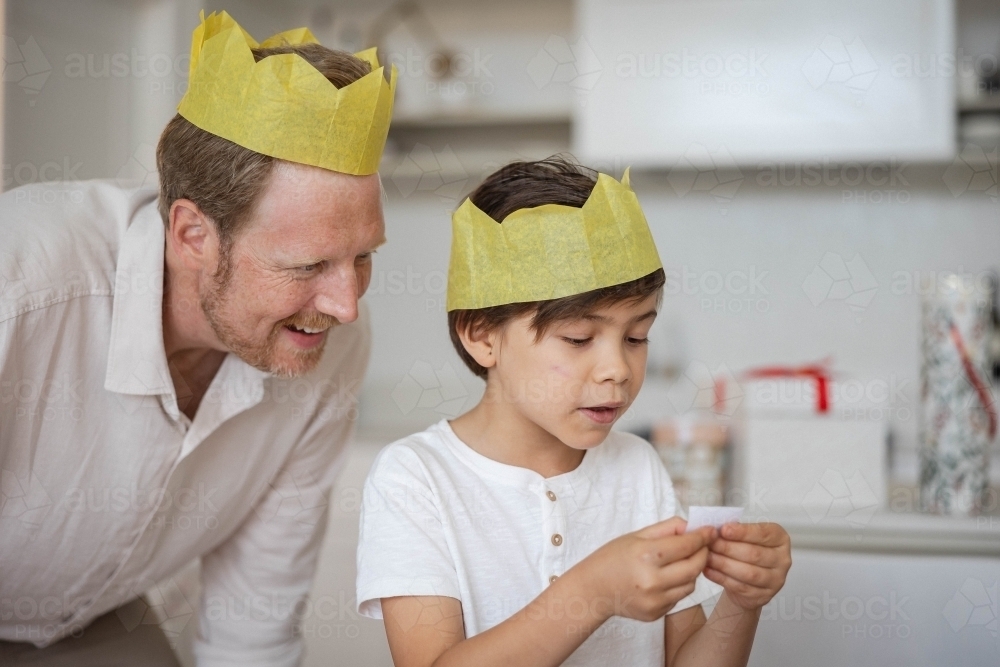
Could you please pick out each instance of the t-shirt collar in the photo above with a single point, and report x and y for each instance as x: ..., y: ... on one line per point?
x: 515, y: 475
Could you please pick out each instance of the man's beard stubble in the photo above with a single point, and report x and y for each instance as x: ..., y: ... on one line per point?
x: 262, y: 356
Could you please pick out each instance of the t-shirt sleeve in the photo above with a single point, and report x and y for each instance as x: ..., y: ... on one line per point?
x: 402, y: 549
x: 705, y: 591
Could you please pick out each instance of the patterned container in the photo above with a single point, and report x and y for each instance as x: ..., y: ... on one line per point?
x: 959, y: 419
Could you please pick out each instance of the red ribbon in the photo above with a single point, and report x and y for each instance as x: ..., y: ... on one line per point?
x: 985, y: 397
x: 816, y: 372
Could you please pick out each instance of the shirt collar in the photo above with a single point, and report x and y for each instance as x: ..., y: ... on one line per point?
x: 515, y: 475
x: 137, y: 362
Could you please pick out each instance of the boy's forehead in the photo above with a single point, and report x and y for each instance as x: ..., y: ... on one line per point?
x: 629, y: 310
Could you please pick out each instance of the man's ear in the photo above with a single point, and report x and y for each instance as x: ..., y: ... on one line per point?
x: 483, y: 346
x: 192, y: 236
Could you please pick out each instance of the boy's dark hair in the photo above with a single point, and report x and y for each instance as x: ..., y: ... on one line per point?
x: 554, y: 180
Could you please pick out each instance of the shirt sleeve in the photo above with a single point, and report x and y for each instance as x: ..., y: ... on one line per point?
x: 402, y: 548
x: 705, y: 591
x: 255, y: 584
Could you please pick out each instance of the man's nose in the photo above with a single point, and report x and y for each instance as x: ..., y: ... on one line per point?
x: 337, y: 295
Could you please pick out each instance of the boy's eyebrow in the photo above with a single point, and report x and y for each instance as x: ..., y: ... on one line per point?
x: 645, y: 316
x: 603, y: 319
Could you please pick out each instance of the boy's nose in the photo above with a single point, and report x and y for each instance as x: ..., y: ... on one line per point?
x: 613, y: 366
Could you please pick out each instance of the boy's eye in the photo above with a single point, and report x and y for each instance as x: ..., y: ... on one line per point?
x: 576, y: 342
x: 637, y: 341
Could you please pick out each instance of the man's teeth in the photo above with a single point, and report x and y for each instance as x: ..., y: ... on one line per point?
x: 306, y: 329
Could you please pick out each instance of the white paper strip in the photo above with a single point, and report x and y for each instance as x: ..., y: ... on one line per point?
x: 699, y: 516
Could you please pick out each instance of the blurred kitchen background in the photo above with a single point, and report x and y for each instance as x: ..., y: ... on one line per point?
x: 821, y: 180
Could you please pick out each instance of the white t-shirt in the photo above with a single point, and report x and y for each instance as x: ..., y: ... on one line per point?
x: 440, y: 519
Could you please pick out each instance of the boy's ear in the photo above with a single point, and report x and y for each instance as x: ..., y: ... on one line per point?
x: 481, y: 345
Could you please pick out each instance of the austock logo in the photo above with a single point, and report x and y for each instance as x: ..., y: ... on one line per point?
x: 560, y: 62
x: 23, y: 498
x: 837, y: 63
x: 833, y: 279
x: 424, y: 387
x: 706, y: 172
x: 25, y: 65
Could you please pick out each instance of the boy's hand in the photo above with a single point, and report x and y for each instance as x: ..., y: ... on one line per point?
x: 751, y: 561
x: 642, y: 575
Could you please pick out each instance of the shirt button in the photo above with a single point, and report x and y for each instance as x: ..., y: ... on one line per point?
x: 553, y: 578
x: 551, y: 496
x: 557, y: 539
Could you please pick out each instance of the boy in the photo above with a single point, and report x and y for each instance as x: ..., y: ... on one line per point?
x: 526, y: 532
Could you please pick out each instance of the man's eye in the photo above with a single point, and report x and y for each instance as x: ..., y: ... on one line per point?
x: 361, y: 259
x: 309, y: 268
x: 576, y: 342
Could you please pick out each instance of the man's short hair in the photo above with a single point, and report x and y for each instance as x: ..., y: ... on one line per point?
x: 225, y: 179
x: 554, y: 180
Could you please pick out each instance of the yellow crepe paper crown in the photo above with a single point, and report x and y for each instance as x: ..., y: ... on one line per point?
x: 282, y: 106
x: 550, y: 251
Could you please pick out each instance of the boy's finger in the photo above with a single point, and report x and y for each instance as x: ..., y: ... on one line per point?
x: 764, y: 534
x: 752, y: 575
x: 673, y: 548
x: 731, y: 584
x: 746, y: 552
x: 683, y: 570
x: 672, y: 526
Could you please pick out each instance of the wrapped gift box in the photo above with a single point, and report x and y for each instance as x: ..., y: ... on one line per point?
x: 795, y: 452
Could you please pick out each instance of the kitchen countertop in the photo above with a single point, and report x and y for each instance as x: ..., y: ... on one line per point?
x: 899, y: 533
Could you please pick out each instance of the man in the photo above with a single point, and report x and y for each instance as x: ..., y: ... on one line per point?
x: 178, y: 375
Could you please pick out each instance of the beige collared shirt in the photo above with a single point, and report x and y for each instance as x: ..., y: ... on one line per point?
x: 106, y: 487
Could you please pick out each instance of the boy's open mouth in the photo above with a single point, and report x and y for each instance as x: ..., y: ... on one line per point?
x: 602, y: 414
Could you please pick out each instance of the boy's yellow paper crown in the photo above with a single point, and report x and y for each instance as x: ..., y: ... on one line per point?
x: 550, y: 251
x: 282, y: 106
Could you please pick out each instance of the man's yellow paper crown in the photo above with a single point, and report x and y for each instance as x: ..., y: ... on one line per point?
x: 282, y: 106
x: 550, y: 251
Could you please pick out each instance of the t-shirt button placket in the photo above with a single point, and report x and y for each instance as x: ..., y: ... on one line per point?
x: 555, y: 522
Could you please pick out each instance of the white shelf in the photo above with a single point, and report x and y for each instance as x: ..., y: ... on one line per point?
x: 918, y: 534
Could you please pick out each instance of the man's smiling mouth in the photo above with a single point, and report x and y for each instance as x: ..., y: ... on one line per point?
x: 306, y: 330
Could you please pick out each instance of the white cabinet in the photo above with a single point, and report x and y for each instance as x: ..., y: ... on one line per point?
x: 771, y: 81
x: 870, y: 610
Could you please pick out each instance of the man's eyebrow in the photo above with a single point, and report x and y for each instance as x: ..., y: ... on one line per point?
x: 378, y: 245
x: 308, y: 261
